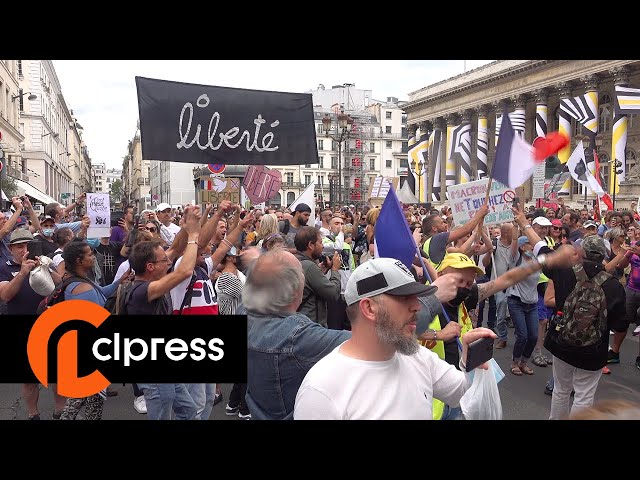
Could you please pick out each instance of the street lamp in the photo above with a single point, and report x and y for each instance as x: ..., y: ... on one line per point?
x: 418, y: 170
x: 342, y: 129
x: 31, y: 96
x: 53, y: 134
x: 332, y: 189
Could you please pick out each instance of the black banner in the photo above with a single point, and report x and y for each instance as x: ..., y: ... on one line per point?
x: 131, y: 349
x: 183, y: 122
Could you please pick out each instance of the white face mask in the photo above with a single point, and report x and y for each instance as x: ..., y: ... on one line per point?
x: 48, y: 232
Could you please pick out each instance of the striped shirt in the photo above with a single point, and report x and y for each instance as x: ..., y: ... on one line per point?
x: 229, y: 291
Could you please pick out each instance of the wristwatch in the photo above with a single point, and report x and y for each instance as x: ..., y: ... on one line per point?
x: 542, y: 259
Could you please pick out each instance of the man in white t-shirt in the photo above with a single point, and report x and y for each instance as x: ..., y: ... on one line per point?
x: 382, y: 372
x: 163, y: 212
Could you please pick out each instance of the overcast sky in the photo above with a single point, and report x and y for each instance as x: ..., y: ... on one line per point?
x: 102, y: 93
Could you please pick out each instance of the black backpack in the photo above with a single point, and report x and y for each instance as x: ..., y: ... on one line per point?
x: 57, y: 295
x: 117, y: 302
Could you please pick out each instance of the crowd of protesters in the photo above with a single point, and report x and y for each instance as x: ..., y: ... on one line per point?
x: 333, y: 331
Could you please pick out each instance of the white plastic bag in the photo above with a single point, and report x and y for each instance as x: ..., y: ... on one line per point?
x: 482, y: 400
x: 40, y: 278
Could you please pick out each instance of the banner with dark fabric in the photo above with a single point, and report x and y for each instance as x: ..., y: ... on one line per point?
x: 189, y: 123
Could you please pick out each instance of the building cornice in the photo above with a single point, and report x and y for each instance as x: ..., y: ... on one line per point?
x: 491, y: 76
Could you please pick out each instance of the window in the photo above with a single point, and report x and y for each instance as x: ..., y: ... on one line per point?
x: 389, y: 144
x: 291, y: 197
x: 334, y: 145
x: 319, y: 180
x: 320, y: 162
x: 21, y: 100
x: 630, y: 160
x: 604, y: 124
x: 388, y: 115
x: 388, y: 129
x: 372, y: 147
x: 290, y: 180
x: 404, y: 163
x: 320, y: 129
x: 577, y: 127
x: 320, y: 144
x: 334, y: 162
x: 307, y: 180
x: 388, y: 163
x: 372, y: 164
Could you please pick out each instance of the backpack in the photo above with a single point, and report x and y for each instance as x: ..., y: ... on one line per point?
x: 57, y: 295
x: 583, y: 320
x: 117, y: 302
x: 285, y: 227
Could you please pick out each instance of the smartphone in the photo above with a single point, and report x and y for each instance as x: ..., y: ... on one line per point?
x: 516, y: 202
x: 479, y: 352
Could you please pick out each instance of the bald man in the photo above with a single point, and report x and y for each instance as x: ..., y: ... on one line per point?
x: 283, y: 345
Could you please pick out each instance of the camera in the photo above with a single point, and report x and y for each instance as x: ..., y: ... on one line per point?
x: 328, y: 252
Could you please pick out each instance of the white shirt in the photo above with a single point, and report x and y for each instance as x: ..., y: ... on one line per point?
x: 122, y: 269
x: 204, y: 300
x: 344, y: 388
x: 57, y: 259
x: 173, y: 228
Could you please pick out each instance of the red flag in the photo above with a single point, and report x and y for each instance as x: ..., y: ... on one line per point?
x: 605, y: 198
x: 549, y: 144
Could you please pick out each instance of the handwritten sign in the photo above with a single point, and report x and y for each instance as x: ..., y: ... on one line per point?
x: 99, y: 212
x: 467, y: 198
x: 261, y: 183
x: 205, y: 124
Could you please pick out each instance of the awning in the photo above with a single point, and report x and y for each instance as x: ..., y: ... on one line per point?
x: 33, y: 192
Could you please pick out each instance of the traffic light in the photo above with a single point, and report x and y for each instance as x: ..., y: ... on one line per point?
x: 618, y: 164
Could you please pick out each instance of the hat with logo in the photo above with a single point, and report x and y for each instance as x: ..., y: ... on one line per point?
x: 383, y: 275
x: 20, y: 235
x: 556, y: 222
x: 302, y: 207
x: 590, y: 224
x: 459, y: 261
x: 594, y: 248
x: 48, y: 217
x: 21, y: 221
x: 162, y: 206
x: 542, y: 221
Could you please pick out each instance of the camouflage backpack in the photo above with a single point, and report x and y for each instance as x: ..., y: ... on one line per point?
x: 583, y: 322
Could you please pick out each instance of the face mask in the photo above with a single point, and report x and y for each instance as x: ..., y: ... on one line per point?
x: 529, y: 254
x: 462, y: 295
x: 47, y: 232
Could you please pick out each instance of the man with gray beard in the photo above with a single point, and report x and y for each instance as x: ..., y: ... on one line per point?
x: 382, y: 372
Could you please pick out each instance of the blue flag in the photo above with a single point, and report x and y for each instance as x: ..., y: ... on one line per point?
x: 393, y: 237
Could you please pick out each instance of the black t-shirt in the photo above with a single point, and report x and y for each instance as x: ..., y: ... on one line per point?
x: 438, y: 247
x: 26, y: 300
x: 109, y: 264
x: 45, y: 247
x: 451, y: 352
x: 138, y: 303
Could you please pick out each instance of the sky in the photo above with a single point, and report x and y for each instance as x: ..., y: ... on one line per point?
x: 102, y: 93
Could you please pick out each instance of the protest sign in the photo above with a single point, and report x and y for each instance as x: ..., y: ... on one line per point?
x: 99, y: 212
x: 205, y: 124
x: 467, y: 198
x: 261, y: 183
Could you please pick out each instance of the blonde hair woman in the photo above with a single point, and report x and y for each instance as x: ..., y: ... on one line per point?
x: 268, y: 226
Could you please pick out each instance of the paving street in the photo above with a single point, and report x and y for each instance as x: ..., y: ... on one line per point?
x: 522, y: 397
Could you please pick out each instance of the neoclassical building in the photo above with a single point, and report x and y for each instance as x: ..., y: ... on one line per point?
x: 532, y: 91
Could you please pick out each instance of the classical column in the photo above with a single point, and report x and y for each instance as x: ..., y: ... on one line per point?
x: 482, y: 142
x: 590, y: 123
x: 519, y: 117
x: 436, y: 148
x: 541, y: 95
x: 618, y: 132
x: 462, y: 146
x: 564, y: 127
x: 450, y: 161
x: 499, y: 107
x: 412, y: 143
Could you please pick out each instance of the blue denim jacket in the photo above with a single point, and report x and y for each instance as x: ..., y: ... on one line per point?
x: 281, y: 350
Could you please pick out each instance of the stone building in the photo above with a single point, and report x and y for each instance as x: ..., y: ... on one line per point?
x: 533, y: 87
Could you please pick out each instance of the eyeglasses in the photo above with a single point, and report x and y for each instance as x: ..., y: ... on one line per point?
x: 557, y: 228
x: 164, y: 260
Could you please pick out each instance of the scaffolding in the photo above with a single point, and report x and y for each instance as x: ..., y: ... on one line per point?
x: 356, y: 164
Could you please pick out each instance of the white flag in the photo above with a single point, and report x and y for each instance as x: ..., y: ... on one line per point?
x: 308, y: 197
x: 580, y: 172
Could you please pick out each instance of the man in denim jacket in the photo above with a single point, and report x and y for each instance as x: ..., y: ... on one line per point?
x: 283, y: 345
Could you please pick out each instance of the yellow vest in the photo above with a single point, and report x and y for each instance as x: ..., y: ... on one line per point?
x: 550, y: 243
x: 465, y: 325
x: 425, y: 248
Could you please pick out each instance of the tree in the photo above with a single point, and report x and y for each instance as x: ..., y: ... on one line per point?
x: 8, y: 185
x: 116, y: 190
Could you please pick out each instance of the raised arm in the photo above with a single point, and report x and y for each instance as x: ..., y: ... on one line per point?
x: 33, y: 216
x: 11, y: 222
x: 209, y: 228
x: 487, y: 246
x: 78, y: 202
x: 525, y: 228
x: 563, y: 257
x: 470, y: 226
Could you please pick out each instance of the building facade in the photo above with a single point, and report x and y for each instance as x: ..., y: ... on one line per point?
x: 533, y: 89
x: 135, y: 176
x: 172, y: 182
x: 345, y: 169
x: 12, y: 136
x: 46, y: 123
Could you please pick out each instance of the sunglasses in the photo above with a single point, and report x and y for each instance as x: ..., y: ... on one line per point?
x: 149, y: 229
x: 556, y: 228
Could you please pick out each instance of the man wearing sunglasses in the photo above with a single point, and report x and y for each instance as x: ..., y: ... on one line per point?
x: 163, y: 212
